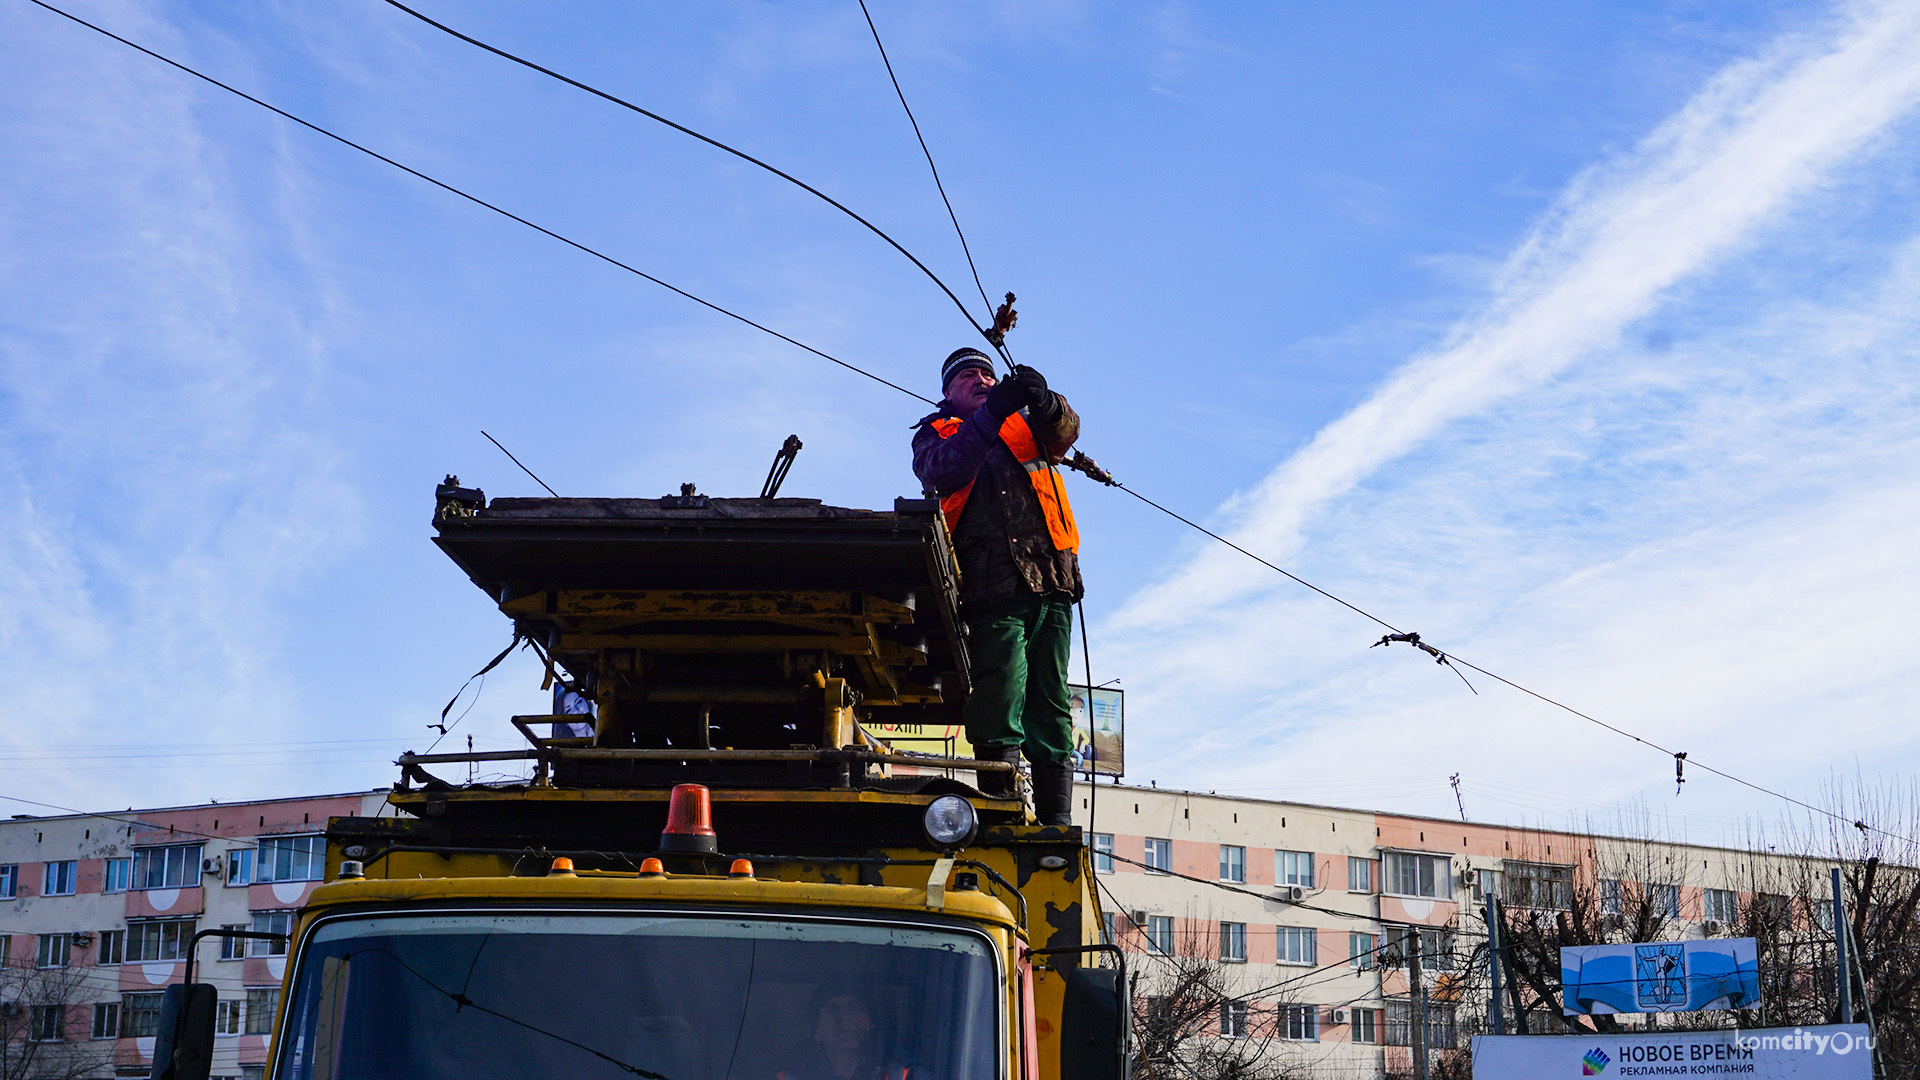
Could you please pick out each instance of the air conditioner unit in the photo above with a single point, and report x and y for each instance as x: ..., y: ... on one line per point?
x: 1290, y: 892
x: 1336, y: 1016
x: 1469, y: 877
x: 210, y: 866
x: 1710, y: 927
x: 82, y: 937
x: 1137, y: 918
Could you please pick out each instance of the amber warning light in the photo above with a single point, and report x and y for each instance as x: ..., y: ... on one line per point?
x: 689, y: 821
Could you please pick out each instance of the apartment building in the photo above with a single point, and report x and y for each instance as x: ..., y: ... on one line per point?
x: 96, y: 913
x: 1307, y: 913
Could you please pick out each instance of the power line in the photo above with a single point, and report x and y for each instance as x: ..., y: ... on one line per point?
x: 1859, y: 824
x: 955, y: 218
x: 476, y: 200
x: 682, y: 128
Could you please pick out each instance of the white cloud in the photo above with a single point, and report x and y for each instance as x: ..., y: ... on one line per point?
x: 1705, y: 540
x: 1764, y: 132
x: 160, y: 470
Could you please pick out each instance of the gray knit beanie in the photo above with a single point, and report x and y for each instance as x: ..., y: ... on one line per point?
x: 960, y: 360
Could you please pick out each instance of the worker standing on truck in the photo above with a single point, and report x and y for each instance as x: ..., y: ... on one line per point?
x: 985, y: 453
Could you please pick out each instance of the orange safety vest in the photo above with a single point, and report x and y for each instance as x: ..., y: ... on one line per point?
x: 1018, y: 438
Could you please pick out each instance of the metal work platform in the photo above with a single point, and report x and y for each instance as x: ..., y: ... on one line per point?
x: 737, y: 642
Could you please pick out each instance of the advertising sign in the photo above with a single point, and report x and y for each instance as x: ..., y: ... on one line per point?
x: 1835, y: 1052
x: 1099, y: 741
x: 1660, y: 976
x: 1099, y: 729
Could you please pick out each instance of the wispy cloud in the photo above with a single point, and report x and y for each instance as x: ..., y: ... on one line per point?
x: 160, y: 468
x: 1763, y: 133
x: 1694, y: 529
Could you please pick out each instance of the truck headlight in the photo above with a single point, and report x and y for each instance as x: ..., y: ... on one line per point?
x: 950, y: 822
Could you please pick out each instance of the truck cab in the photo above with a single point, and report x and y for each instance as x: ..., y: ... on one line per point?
x: 713, y: 865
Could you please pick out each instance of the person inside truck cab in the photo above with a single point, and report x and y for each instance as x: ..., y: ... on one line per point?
x: 987, y: 455
x: 846, y: 1043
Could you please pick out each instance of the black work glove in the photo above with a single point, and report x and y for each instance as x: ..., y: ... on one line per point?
x: 1042, y: 404
x: 1007, y: 397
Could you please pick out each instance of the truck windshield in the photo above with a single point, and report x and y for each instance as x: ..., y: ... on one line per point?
x: 461, y: 996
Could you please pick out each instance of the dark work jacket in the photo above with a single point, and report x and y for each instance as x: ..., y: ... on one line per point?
x: 1002, y: 541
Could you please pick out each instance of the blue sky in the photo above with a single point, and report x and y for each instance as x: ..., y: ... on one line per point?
x: 1578, y: 337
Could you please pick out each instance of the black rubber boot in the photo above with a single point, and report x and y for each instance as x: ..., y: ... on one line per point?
x: 1053, y: 794
x: 998, y: 785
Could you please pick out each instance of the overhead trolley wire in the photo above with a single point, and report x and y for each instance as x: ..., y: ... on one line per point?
x: 955, y: 218
x: 476, y: 200
x: 1446, y: 656
x: 683, y: 129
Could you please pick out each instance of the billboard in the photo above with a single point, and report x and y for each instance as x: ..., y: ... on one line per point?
x: 1660, y: 976
x: 1099, y: 729
x: 1099, y: 741
x: 1833, y: 1052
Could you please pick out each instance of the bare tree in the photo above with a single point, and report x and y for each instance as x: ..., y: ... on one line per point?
x: 42, y: 1034
x: 1191, y: 1022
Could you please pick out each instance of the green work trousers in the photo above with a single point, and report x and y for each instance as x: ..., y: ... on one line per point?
x: 1020, y: 652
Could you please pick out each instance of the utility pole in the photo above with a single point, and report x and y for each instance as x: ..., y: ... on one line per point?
x: 1494, y: 1013
x: 1840, y: 926
x: 1419, y: 1003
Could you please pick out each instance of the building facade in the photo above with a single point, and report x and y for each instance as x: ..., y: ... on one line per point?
x: 1299, y: 921
x: 1270, y: 932
x: 96, y: 913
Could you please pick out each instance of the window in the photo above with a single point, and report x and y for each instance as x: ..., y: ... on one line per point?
x: 1822, y: 917
x: 106, y: 1020
x: 1772, y: 909
x: 1360, y: 950
x: 1233, y: 863
x: 1436, y: 946
x: 1363, y: 1025
x: 139, y: 1014
x: 55, y: 951
x: 175, y: 866
x: 1233, y: 1019
x: 1303, y: 1022
x: 1295, y: 945
x: 1610, y: 903
x: 44, y: 1023
x: 1722, y: 906
x: 1110, y: 933
x: 1359, y: 874
x: 1102, y: 843
x: 1664, y: 900
x: 6, y: 949
x: 118, y: 873
x: 1408, y: 874
x: 270, y: 922
x: 261, y: 1005
x: 1542, y: 886
x: 1442, y: 1034
x: 240, y: 866
x: 233, y: 948
x: 1293, y: 868
x: 290, y: 858
x: 9, y: 880
x: 226, y: 1018
x: 1159, y: 855
x: 59, y: 879
x: 1160, y: 933
x: 113, y: 947
x: 253, y: 1072
x: 158, y: 940
x: 1233, y: 942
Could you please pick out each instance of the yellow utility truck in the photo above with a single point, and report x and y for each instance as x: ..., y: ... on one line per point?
x: 705, y: 865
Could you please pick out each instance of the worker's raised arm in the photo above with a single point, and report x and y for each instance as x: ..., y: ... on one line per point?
x: 947, y: 450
